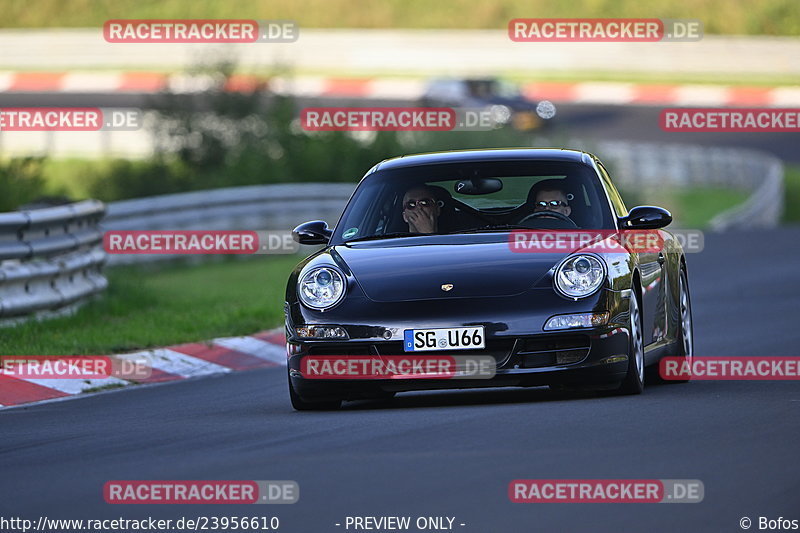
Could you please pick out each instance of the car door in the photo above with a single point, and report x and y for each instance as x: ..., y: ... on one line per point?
x: 652, y: 269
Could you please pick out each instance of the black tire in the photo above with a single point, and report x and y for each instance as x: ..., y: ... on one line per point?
x: 299, y: 404
x: 634, y: 379
x: 685, y: 343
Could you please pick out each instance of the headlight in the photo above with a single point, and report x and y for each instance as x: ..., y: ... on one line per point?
x: 580, y: 276
x: 578, y: 320
x: 321, y: 288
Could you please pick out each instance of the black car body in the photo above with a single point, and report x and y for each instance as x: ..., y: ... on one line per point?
x: 392, y: 280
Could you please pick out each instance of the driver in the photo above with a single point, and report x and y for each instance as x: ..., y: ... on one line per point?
x: 421, y: 210
x: 551, y: 199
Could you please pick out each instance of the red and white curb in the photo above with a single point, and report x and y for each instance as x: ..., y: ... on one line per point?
x: 173, y: 363
x: 611, y: 93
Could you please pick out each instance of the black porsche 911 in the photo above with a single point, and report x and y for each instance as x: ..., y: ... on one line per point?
x: 425, y: 263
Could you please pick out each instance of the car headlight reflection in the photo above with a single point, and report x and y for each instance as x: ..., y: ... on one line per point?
x: 580, y: 276
x: 321, y: 288
x: 500, y: 114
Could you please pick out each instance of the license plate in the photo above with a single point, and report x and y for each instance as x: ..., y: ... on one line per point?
x: 422, y: 340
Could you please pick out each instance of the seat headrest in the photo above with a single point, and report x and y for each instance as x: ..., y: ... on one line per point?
x: 442, y: 195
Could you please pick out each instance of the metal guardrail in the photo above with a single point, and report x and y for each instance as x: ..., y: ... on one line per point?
x: 50, y: 259
x: 283, y: 206
x: 256, y: 207
x: 765, y: 206
x: 652, y: 165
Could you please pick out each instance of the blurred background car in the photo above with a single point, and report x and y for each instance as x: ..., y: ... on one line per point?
x: 503, y: 98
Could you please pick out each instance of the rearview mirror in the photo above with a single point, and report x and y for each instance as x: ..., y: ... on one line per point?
x: 314, y: 232
x: 474, y: 186
x: 647, y: 217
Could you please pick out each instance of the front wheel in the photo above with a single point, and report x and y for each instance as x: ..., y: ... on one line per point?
x: 634, y: 379
x: 685, y: 327
x: 299, y: 404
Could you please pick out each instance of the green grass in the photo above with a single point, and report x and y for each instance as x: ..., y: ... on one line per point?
x: 70, y: 177
x: 691, y: 208
x: 791, y: 213
x: 765, y: 17
x: 695, y: 208
x: 158, y: 306
x: 523, y: 76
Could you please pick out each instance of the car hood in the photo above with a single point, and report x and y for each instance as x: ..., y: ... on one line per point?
x: 419, y: 272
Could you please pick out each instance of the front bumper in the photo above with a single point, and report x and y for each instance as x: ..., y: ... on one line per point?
x: 594, y: 357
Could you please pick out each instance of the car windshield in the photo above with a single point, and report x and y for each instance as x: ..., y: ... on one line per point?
x: 474, y: 197
x: 490, y: 88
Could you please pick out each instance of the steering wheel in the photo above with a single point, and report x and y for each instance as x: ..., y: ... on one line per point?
x: 550, y: 214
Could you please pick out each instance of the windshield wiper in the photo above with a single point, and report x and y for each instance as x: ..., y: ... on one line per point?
x: 488, y: 228
x: 409, y: 234
x: 386, y: 236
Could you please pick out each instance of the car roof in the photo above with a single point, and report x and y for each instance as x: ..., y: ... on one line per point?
x: 498, y: 154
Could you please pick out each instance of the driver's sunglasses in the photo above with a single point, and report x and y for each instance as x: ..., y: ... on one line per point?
x: 425, y: 202
x: 551, y: 203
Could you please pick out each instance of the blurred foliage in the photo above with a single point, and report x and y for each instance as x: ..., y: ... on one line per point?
x: 21, y: 182
x: 124, y: 178
x: 220, y: 138
x: 791, y: 213
x: 736, y: 17
x: 158, y: 305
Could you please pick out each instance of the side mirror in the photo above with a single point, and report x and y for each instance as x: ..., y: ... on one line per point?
x: 647, y: 217
x: 314, y: 232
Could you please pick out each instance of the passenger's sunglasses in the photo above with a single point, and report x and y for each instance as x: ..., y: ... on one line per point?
x: 551, y: 203
x: 425, y: 202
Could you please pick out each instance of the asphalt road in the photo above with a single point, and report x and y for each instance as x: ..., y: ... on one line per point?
x: 452, y: 453
x: 603, y: 122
